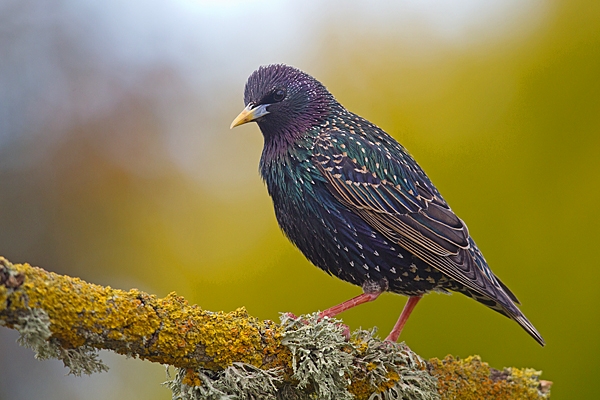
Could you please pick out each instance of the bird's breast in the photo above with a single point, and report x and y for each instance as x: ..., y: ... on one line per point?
x: 334, y: 238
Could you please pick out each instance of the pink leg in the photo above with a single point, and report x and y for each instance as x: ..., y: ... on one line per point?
x: 358, y: 300
x: 408, y: 307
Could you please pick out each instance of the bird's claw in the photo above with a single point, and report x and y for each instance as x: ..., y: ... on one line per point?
x: 345, y: 328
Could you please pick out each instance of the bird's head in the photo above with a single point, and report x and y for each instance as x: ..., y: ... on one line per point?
x: 285, y: 102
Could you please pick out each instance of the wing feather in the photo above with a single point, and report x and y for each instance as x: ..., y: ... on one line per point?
x: 402, y: 204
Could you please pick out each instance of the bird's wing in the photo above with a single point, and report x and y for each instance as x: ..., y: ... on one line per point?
x: 391, y: 193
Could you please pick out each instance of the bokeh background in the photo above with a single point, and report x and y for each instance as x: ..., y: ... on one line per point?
x: 117, y: 164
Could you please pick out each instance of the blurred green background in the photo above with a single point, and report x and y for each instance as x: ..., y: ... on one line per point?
x: 117, y: 164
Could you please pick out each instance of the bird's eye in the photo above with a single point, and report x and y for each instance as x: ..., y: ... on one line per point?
x: 279, y: 95
x: 274, y: 96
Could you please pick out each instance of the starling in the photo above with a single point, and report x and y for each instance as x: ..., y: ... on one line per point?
x: 357, y: 204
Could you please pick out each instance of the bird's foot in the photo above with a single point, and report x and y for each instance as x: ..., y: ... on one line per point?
x: 291, y: 315
x: 345, y: 328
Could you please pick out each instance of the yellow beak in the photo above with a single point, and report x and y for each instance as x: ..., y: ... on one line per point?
x: 249, y: 114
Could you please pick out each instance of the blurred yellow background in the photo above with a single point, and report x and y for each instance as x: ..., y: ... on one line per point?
x: 117, y: 164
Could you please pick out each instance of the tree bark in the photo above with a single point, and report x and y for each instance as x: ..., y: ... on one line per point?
x: 233, y: 353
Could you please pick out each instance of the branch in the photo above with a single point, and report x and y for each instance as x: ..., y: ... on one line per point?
x: 233, y: 354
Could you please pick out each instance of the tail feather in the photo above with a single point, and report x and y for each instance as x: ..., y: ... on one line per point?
x: 505, y: 306
x: 529, y: 328
x: 508, y: 291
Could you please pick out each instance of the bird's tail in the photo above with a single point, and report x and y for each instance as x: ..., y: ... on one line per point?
x: 528, y: 326
x: 506, y: 307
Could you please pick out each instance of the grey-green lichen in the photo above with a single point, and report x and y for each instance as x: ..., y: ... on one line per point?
x: 33, y: 326
x: 394, y: 370
x: 237, y: 382
x: 325, y: 365
x: 321, y: 356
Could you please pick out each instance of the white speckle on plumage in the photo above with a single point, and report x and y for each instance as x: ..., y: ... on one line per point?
x: 393, y: 270
x: 365, y: 266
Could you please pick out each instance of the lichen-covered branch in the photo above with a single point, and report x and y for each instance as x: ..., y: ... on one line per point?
x: 165, y: 330
x: 230, y: 354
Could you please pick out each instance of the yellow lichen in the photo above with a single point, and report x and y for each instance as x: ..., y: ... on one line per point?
x: 360, y: 388
x: 392, y: 378
x: 191, y: 378
x: 166, y: 330
x: 472, y: 379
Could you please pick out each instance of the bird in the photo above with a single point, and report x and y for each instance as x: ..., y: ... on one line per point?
x: 356, y: 203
